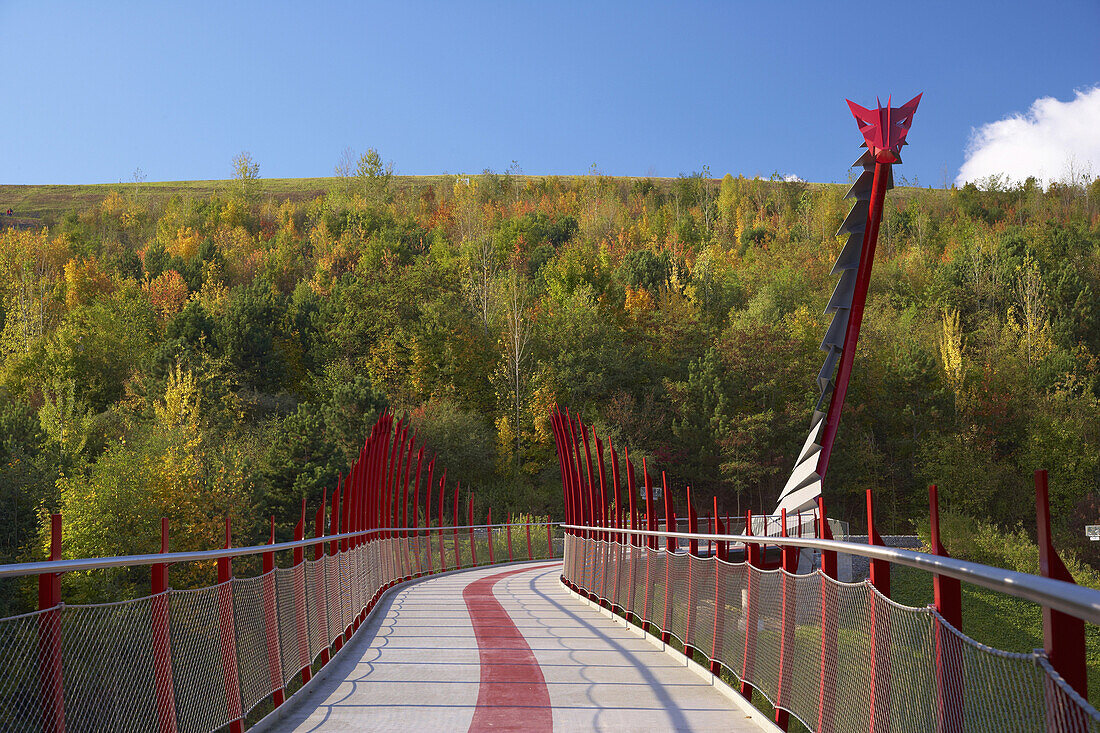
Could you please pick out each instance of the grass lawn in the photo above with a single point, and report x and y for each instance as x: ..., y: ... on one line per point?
x: 38, y: 205
x: 995, y: 619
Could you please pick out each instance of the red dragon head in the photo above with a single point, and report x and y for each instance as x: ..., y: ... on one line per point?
x: 885, y: 128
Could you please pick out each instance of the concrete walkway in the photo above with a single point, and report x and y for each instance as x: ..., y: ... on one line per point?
x: 505, y: 648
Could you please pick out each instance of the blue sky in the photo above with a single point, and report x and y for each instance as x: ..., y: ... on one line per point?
x: 94, y: 90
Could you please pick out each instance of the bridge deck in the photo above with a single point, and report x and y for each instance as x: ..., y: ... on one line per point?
x: 499, y: 649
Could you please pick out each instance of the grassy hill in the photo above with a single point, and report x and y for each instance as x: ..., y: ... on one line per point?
x: 37, y: 205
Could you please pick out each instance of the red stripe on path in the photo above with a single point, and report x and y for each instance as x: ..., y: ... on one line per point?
x: 512, y: 694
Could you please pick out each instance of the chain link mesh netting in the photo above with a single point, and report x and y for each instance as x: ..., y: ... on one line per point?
x: 832, y: 654
x: 208, y: 656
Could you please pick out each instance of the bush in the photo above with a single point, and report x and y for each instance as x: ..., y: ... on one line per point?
x: 980, y: 541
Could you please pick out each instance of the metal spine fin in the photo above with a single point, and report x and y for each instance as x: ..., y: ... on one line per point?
x: 804, y: 485
x: 861, y: 189
x: 849, y: 255
x: 842, y: 294
x: 856, y: 221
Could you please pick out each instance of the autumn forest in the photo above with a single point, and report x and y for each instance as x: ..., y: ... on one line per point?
x: 225, y: 353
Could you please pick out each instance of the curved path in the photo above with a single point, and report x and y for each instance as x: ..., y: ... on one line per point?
x: 504, y: 649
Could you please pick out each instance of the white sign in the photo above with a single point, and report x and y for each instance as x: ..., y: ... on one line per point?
x: 1092, y: 531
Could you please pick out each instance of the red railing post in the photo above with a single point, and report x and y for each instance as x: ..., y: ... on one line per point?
x: 827, y: 700
x: 489, y: 534
x: 651, y: 543
x: 300, y: 596
x: 1063, y: 635
x: 947, y: 597
x: 650, y: 512
x: 752, y: 557
x: 788, y: 604
x: 632, y: 497
x: 670, y: 547
x: 442, y: 551
x: 549, y: 539
x: 881, y: 674
x: 162, y: 650
x: 335, y: 527
x: 602, y: 514
x: 416, y: 510
x: 229, y: 637
x: 470, y: 531
x: 428, y: 516
x: 719, y: 596
x: 527, y: 524
x: 693, y: 551
x: 593, y: 520
x: 271, y: 622
x: 49, y: 638
x: 615, y: 488
x: 508, y: 527
x: 318, y: 554
x: 454, y: 526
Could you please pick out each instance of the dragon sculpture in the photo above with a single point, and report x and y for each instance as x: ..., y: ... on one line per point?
x: 884, y: 130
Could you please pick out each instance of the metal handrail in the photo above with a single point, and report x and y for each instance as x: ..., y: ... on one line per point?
x: 1076, y: 600
x: 98, y: 563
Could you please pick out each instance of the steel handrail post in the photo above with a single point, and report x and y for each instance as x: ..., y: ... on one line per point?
x: 162, y: 649
x: 228, y: 638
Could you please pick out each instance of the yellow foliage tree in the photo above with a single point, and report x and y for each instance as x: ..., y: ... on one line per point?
x: 84, y: 281
x: 185, y: 244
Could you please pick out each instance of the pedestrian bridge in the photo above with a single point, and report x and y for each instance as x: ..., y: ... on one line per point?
x: 398, y: 620
x: 508, y: 648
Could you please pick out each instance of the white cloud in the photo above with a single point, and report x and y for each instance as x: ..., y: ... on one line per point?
x: 1046, y: 142
x: 792, y: 178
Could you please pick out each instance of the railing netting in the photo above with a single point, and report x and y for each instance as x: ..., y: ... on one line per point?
x: 229, y: 647
x: 838, y: 656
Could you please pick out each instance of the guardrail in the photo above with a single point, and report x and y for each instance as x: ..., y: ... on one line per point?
x: 202, y: 659
x: 838, y: 656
